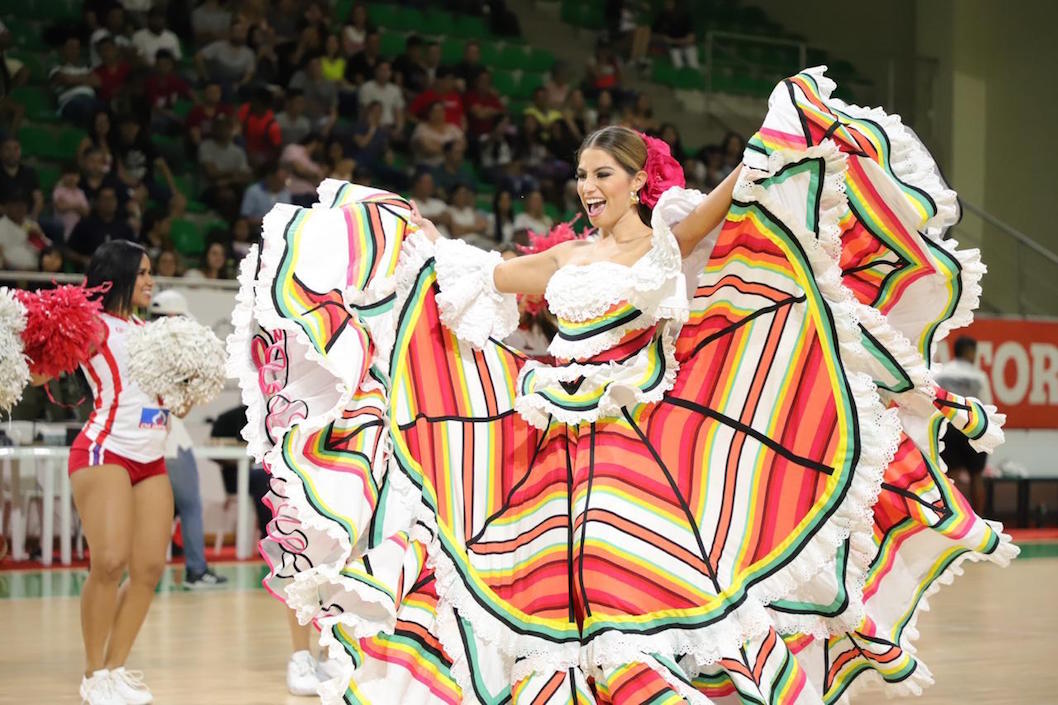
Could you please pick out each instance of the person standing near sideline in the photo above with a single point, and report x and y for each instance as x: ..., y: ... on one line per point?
x: 963, y: 377
x: 183, y: 475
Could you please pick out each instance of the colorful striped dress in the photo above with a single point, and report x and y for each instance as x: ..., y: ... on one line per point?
x: 726, y: 489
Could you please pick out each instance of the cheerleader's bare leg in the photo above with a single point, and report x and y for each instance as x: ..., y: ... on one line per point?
x: 153, y: 519
x: 104, y: 499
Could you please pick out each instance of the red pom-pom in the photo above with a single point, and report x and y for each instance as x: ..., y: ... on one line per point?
x: 63, y: 328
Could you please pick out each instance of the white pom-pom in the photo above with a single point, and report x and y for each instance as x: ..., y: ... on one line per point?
x: 14, y: 371
x: 178, y: 359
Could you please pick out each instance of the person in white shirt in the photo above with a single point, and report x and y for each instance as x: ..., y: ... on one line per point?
x: 21, y: 239
x: 465, y: 221
x: 154, y: 37
x: 75, y: 85
x: 962, y: 376
x: 115, y: 27
x: 389, y: 94
x: 533, y: 218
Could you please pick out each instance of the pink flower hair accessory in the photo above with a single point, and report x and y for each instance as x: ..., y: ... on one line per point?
x: 663, y: 171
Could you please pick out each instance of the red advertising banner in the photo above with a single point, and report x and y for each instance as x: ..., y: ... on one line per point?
x: 1020, y: 358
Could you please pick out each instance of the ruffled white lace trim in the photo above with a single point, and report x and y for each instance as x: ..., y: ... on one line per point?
x: 619, y: 380
x: 468, y: 301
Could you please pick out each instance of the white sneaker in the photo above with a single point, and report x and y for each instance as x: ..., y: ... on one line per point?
x: 129, y: 685
x: 99, y: 690
x: 301, y: 674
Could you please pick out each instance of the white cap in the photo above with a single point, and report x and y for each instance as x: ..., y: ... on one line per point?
x: 169, y: 303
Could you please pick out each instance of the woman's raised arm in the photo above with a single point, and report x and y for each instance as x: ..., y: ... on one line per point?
x: 706, y: 215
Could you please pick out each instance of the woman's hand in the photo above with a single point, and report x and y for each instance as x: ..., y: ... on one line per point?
x: 424, y: 224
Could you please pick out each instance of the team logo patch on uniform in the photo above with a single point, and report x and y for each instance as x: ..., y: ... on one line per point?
x: 154, y: 418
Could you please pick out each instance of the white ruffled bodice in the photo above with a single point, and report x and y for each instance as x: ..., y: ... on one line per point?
x: 600, y: 307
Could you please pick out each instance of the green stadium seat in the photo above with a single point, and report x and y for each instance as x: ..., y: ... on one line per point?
x: 505, y: 83
x: 46, y: 143
x: 438, y: 23
x: 689, y: 79
x: 49, y: 176
x: 58, y: 10
x: 392, y: 44
x: 183, y: 107
x: 36, y: 64
x: 528, y: 83
x: 512, y: 57
x: 342, y: 8
x: 470, y: 27
x: 38, y: 102
x: 539, y: 59
x: 411, y: 19
x: 188, y: 237
x: 384, y: 15
x: 452, y: 50
x: 491, y: 53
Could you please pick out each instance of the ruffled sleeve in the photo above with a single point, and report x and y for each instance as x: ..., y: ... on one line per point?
x: 469, y: 303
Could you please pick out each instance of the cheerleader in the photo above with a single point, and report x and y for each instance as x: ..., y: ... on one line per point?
x: 118, y: 476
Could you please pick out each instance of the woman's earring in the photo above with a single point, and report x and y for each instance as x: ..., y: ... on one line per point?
x: 635, y: 198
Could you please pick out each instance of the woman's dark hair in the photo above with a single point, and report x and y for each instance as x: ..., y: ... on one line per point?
x: 498, y: 219
x: 116, y: 262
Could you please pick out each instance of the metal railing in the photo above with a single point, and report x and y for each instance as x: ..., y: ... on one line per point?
x: 55, y: 485
x: 1022, y: 274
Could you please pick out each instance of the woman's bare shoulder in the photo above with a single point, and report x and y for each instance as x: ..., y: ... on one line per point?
x: 565, y: 252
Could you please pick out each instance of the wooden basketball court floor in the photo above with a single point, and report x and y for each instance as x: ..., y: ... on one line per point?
x: 991, y: 637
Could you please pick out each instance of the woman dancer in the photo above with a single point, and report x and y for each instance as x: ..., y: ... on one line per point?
x: 120, y: 487
x: 736, y: 440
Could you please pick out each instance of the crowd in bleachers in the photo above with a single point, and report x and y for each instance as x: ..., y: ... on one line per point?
x: 180, y: 124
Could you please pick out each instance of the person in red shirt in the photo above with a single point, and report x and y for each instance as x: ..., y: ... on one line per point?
x: 443, y: 91
x: 113, y: 71
x: 260, y: 129
x: 483, y: 106
x: 200, y: 120
x: 163, y: 88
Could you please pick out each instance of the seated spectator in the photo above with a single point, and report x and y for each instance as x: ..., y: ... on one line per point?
x: 98, y: 137
x: 203, y: 114
x: 321, y: 96
x: 260, y: 131
x: 498, y: 152
x: 430, y: 135
x: 465, y: 221
x: 17, y: 176
x: 605, y: 112
x: 356, y: 29
x: 216, y: 264
x: 209, y: 22
x: 116, y: 27
x: 51, y: 261
x: 21, y: 239
x: 139, y: 167
x: 733, y: 148
x: 541, y: 110
x: 305, y: 172
x: 467, y: 69
x: 501, y: 223
x: 382, y: 89
x: 640, y: 115
x: 431, y: 61
x: 557, y: 88
x: 226, y: 167
x: 163, y: 88
x: 102, y: 225
x: 669, y: 134
x: 424, y: 193
x: 155, y: 37
x: 533, y: 218
x: 604, y: 72
x: 74, y: 85
x: 482, y: 105
x: 673, y: 26
x: 361, y: 66
x: 292, y: 121
x: 444, y: 92
x: 262, y: 40
x: 113, y: 71
x: 241, y: 238
x: 454, y: 170
x: 332, y: 63
x: 68, y: 200
x: 371, y: 137
x: 229, y: 61
x: 576, y: 115
x: 262, y: 195
x: 411, y: 67
x: 167, y: 264
x: 155, y: 230
x: 95, y: 176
